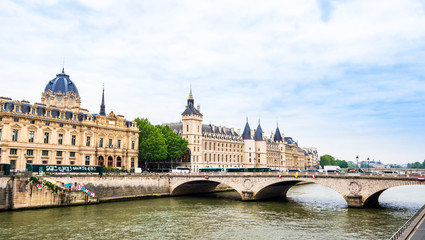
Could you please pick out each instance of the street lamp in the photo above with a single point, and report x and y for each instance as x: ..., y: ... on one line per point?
x: 357, y: 158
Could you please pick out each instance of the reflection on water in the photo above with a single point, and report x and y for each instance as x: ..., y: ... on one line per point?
x: 310, y: 212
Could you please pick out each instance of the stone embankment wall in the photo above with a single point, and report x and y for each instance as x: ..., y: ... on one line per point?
x: 17, y: 193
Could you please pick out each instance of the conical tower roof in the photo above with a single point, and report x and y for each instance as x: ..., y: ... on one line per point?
x: 258, y: 136
x: 278, y: 135
x: 247, y: 131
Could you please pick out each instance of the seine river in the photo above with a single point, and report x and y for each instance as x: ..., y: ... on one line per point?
x: 310, y: 212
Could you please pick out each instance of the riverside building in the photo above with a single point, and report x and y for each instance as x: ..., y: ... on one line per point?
x: 58, y: 131
x: 212, y: 146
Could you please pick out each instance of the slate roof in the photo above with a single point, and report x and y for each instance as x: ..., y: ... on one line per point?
x: 61, y: 83
x: 278, y: 136
x: 246, y: 132
x: 190, y: 107
x: 258, y: 136
x: 289, y: 140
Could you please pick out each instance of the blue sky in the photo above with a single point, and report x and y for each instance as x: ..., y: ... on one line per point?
x: 346, y: 77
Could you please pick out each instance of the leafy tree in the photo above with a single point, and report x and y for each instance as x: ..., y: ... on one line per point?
x: 327, y: 160
x: 152, y: 144
x: 342, y: 163
x: 176, y: 145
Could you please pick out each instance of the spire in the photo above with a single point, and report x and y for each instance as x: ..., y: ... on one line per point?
x: 258, y: 136
x: 247, y: 131
x: 190, y: 100
x: 278, y: 135
x: 102, y: 105
x: 63, y: 70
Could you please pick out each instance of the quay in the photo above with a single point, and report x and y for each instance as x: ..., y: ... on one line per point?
x: 413, y: 229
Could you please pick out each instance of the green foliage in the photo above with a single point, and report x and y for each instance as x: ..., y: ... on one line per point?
x: 341, y: 163
x: 158, y: 142
x: 327, y: 160
x: 416, y: 165
x: 151, y: 141
x: 176, y: 146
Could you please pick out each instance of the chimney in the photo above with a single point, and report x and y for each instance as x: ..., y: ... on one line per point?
x: 239, y: 132
x: 199, y: 108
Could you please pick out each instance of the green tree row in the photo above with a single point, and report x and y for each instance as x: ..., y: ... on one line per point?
x: 416, y: 165
x: 159, y: 143
x: 329, y: 160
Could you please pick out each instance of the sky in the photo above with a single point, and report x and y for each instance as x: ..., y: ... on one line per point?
x: 346, y: 77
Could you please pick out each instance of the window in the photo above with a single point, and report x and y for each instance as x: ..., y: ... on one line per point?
x: 0, y: 133
x: 15, y: 135
x: 61, y: 125
x: 44, y: 162
x: 47, y: 124
x: 132, y: 144
x: 87, y: 160
x: 45, y: 153
x: 13, y: 151
x: 110, y: 143
x: 132, y: 162
x: 119, y: 144
x: 60, y: 139
x: 72, y: 162
x: 30, y: 152
x: 101, y: 142
x: 61, y: 115
x: 59, y: 162
x: 17, y: 108
x: 59, y: 154
x: 75, y: 118
x: 187, y: 128
x: 48, y: 113
x: 16, y: 119
x: 46, y: 137
x: 32, y: 121
x: 73, y: 137
x: 88, y: 128
x: 88, y: 141
x: 73, y: 126
x: 33, y: 111
x: 71, y: 154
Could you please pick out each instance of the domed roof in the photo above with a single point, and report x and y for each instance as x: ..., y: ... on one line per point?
x: 61, y: 83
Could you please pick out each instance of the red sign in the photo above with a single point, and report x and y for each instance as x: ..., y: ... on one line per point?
x: 206, y: 176
x: 421, y: 178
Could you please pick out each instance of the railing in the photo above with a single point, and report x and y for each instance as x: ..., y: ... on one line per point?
x: 401, y: 230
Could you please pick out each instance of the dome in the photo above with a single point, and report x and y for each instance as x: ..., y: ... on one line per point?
x: 61, y: 83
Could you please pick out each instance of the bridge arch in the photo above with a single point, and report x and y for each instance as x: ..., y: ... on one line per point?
x: 198, y: 186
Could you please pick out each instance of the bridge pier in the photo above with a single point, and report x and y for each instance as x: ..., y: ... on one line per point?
x: 354, y: 201
x: 248, y: 195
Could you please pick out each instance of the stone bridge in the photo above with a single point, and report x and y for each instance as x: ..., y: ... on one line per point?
x: 359, y: 190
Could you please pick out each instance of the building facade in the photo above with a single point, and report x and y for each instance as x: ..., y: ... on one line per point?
x: 58, y: 131
x: 213, y: 146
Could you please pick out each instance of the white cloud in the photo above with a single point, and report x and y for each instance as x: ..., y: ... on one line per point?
x: 336, y: 84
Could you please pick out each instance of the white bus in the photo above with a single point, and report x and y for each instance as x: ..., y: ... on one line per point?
x: 181, y: 170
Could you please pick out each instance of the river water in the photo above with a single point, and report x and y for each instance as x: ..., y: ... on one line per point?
x: 311, y: 211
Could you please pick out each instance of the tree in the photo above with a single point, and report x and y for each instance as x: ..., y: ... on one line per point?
x: 342, y: 163
x: 151, y: 142
x: 327, y: 160
x: 176, y: 145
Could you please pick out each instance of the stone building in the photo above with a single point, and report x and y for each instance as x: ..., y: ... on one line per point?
x: 213, y: 146
x: 58, y: 131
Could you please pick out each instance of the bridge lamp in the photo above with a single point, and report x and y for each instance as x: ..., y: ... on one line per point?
x: 357, y: 158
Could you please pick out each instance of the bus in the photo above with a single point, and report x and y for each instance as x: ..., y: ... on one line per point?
x: 181, y: 170
x: 259, y: 170
x: 235, y: 170
x: 211, y: 170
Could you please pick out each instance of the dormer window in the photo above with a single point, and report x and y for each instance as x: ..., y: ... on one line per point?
x: 17, y: 108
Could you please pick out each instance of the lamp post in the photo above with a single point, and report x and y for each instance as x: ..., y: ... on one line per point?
x: 357, y: 158
x: 368, y: 164
x: 275, y: 166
